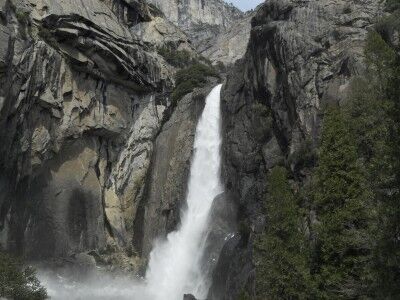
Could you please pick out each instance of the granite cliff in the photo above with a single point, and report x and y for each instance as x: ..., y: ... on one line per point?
x: 301, y: 56
x: 217, y: 30
x: 84, y: 97
x: 94, y: 155
x: 199, y: 17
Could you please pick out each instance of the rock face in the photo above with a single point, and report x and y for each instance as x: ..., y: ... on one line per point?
x: 160, y: 32
x: 301, y: 55
x: 159, y: 212
x: 188, y: 14
x: 217, y: 30
x: 230, y: 44
x: 82, y: 99
x: 94, y: 158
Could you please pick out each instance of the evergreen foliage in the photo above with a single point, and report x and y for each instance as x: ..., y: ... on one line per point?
x: 387, y: 251
x: 367, y: 115
x: 355, y: 193
x: 192, y: 77
x: 344, y: 211
x: 392, y: 5
x: 176, y: 58
x: 281, y: 252
x: 17, y: 282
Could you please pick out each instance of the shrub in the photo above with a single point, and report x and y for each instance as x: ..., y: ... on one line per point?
x: 18, y: 282
x: 304, y: 156
x: 205, y: 60
x: 281, y: 252
x: 244, y: 295
x: 22, y: 16
x: 392, y: 5
x: 176, y: 58
x: 388, y: 26
x: 343, y: 204
x: 192, y: 77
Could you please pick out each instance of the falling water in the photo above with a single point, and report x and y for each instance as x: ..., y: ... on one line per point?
x: 175, y: 263
x: 175, y: 266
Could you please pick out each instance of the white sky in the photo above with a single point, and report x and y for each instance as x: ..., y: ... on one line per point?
x: 245, y: 5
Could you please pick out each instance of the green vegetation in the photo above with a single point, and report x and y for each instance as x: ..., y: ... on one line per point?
x: 281, y: 252
x: 244, y: 296
x: 192, y: 77
x: 192, y: 73
x: 353, y: 201
x: 304, y: 156
x: 393, y: 5
x: 176, y: 58
x: 344, y: 209
x: 18, y: 282
x: 22, y: 16
x: 221, y: 67
x: 387, y: 252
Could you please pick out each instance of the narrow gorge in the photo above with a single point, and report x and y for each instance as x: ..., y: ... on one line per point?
x: 185, y: 149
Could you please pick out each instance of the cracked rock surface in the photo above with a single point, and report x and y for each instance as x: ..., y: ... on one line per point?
x: 83, y: 98
x: 301, y: 55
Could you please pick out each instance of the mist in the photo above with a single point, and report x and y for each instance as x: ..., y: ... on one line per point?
x: 93, y: 285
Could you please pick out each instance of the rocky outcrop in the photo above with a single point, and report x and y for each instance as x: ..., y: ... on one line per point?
x: 82, y: 99
x: 189, y: 13
x: 189, y: 297
x: 301, y: 55
x: 204, y: 22
x: 230, y: 44
x: 160, y: 32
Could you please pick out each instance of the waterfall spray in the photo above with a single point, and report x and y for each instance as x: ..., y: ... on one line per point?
x: 175, y: 263
x: 175, y: 266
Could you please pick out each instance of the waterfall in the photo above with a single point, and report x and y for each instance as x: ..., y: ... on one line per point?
x: 175, y: 266
x: 175, y: 263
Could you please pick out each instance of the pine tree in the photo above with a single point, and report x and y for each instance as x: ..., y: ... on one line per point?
x: 387, y: 250
x: 344, y: 211
x: 282, y: 269
x: 18, y: 282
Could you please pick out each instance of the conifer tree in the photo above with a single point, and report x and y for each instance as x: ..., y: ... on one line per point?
x: 387, y: 250
x: 343, y: 206
x: 281, y: 253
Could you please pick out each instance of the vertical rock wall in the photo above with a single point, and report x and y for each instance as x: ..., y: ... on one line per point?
x: 301, y: 55
x: 80, y: 105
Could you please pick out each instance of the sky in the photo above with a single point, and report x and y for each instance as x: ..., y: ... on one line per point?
x: 245, y: 5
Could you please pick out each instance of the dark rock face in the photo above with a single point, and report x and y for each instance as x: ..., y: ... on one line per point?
x: 159, y: 212
x: 189, y: 297
x: 222, y: 227
x: 94, y: 160
x: 301, y: 55
x: 82, y: 100
x: 234, y: 271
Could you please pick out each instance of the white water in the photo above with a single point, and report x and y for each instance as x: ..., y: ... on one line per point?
x: 175, y: 263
